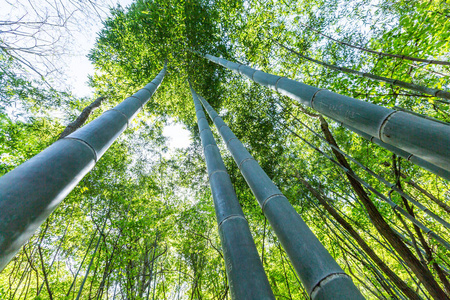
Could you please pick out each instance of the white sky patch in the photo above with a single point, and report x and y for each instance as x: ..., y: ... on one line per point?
x: 178, y: 136
x: 78, y: 67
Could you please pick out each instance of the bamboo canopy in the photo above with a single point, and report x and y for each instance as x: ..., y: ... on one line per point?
x: 245, y: 272
x: 424, y: 138
x: 321, y: 276
x: 30, y: 193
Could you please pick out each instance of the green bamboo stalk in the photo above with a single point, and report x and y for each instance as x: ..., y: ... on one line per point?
x: 245, y: 272
x: 81, y: 264
x: 29, y: 193
x: 423, y: 138
x: 80, y: 290
x: 322, y: 277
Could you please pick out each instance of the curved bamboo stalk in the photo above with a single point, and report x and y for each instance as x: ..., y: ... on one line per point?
x: 29, y: 193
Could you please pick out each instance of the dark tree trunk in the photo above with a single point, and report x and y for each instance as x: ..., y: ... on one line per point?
x: 366, y: 248
x: 421, y: 271
x: 81, y: 119
x: 426, y: 247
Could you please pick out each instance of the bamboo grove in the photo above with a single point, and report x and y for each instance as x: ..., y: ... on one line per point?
x: 317, y: 205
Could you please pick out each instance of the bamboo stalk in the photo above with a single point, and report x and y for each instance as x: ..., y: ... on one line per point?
x: 426, y: 139
x: 245, y: 271
x: 406, y: 155
x: 80, y: 290
x: 29, y: 193
x: 322, y: 277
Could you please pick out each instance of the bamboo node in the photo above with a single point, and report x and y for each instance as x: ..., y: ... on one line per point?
x: 233, y: 138
x: 124, y: 115
x: 231, y: 217
x: 243, y: 161
x: 85, y: 143
x: 253, y: 74
x: 276, y: 83
x: 214, y: 172
x: 314, y: 96
x: 263, y: 205
x: 203, y: 128
x: 325, y: 280
x: 383, y: 124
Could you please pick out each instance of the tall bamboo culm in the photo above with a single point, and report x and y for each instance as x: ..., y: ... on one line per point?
x: 320, y: 274
x: 30, y: 192
x: 424, y: 138
x: 246, y: 277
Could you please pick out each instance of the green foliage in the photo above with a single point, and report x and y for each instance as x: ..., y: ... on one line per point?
x: 160, y: 238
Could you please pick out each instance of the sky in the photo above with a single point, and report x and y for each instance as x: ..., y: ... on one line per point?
x: 76, y: 44
x: 78, y: 65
